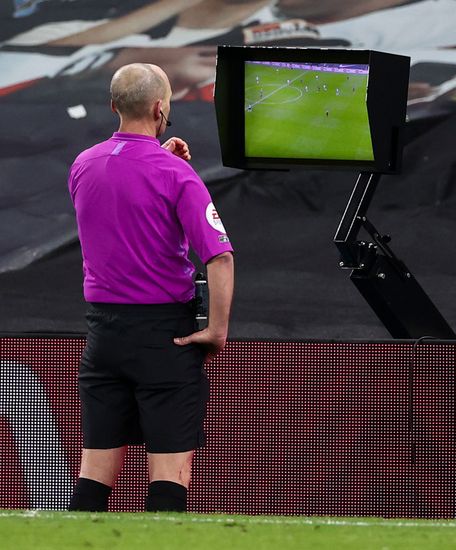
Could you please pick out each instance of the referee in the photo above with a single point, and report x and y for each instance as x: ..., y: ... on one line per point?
x: 139, y: 206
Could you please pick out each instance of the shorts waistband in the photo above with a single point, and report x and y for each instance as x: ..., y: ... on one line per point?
x: 144, y: 310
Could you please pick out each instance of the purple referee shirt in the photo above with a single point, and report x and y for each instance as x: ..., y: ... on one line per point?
x: 138, y: 209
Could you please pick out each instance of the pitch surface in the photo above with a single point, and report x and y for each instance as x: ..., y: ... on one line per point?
x: 298, y: 113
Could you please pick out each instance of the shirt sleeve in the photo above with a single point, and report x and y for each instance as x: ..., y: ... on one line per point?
x: 199, y: 218
x: 71, y: 183
x: 72, y: 180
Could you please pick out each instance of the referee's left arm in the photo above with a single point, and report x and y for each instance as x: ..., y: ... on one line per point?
x: 220, y: 279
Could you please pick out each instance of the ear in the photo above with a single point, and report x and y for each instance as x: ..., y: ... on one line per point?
x: 157, y: 108
x: 113, y: 107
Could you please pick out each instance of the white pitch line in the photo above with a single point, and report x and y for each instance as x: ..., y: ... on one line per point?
x: 142, y: 516
x: 274, y: 91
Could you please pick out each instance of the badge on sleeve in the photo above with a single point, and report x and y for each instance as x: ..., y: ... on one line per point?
x: 213, y: 219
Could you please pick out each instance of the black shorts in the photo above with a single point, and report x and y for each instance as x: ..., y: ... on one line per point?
x: 136, y: 386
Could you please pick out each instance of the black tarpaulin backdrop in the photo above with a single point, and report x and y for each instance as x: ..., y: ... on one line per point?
x: 281, y: 224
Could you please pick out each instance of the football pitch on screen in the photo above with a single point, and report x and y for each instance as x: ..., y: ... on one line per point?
x: 31, y: 530
x: 299, y: 113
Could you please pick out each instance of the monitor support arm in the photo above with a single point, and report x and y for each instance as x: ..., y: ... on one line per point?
x: 383, y: 280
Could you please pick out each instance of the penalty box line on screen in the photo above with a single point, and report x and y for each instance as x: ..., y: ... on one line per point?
x: 274, y: 91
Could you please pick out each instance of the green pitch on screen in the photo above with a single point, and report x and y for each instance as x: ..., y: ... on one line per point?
x: 299, y: 113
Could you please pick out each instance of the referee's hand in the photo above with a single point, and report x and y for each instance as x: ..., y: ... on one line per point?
x: 211, y: 342
x: 178, y: 147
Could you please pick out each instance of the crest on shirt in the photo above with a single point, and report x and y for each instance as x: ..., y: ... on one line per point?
x: 213, y: 219
x: 223, y: 239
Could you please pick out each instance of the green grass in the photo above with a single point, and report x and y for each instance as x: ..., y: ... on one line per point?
x: 64, y: 530
x: 289, y: 120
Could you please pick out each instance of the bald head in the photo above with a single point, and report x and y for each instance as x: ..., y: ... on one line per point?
x: 135, y: 88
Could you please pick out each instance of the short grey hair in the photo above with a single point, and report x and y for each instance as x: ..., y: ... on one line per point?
x: 135, y: 87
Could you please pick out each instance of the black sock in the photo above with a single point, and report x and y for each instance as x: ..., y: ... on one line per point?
x: 90, y: 496
x: 166, y: 496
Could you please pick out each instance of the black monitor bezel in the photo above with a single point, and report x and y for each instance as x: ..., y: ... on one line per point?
x: 386, y: 104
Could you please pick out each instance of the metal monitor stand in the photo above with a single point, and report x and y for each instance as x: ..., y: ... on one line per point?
x: 384, y: 281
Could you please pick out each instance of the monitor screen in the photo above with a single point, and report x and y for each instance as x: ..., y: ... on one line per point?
x: 316, y: 110
x: 282, y: 107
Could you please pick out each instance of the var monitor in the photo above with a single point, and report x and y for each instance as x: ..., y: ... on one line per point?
x: 281, y: 107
